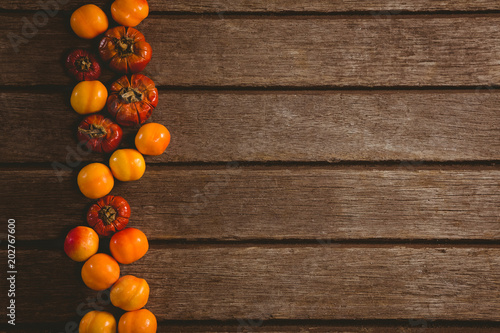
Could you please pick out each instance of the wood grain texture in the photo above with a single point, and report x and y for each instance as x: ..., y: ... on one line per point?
x: 269, y: 282
x: 272, y: 203
x: 323, y: 6
x: 256, y: 325
x: 284, y: 52
x: 276, y: 126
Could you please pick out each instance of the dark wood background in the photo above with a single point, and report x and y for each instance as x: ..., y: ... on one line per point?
x: 333, y: 167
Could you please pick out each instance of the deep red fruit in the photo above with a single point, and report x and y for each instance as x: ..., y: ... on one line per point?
x: 83, y: 65
x: 100, y: 134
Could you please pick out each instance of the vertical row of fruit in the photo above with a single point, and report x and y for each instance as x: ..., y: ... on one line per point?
x: 131, y: 101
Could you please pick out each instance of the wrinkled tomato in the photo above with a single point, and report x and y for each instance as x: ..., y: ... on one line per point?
x: 125, y: 49
x: 83, y: 65
x: 100, y: 134
x: 109, y: 215
x: 132, y: 102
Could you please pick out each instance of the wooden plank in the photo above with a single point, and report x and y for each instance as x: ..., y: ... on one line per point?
x: 280, y: 282
x: 277, y: 126
x: 256, y: 325
x: 323, y: 6
x: 284, y: 51
x: 250, y: 203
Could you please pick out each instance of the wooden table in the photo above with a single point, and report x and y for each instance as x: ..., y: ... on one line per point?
x: 333, y: 167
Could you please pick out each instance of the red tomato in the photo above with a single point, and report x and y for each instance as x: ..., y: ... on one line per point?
x: 125, y: 49
x: 128, y: 245
x: 109, y: 215
x: 129, y: 12
x: 100, y: 134
x: 132, y: 102
x: 83, y: 65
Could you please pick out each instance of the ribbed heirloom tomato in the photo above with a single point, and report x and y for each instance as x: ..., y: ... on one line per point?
x: 89, y: 21
x: 100, y: 134
x: 89, y: 97
x: 140, y: 321
x: 125, y: 49
x: 132, y: 102
x: 81, y: 243
x: 95, y: 180
x: 83, y: 65
x: 127, y: 164
x: 152, y: 139
x: 128, y: 245
x: 130, y: 293
x: 100, y: 272
x: 97, y: 322
x: 129, y: 12
x: 109, y: 215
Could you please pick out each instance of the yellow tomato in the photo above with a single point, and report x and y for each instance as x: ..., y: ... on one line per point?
x: 100, y: 272
x: 95, y: 180
x: 89, y: 97
x: 152, y: 139
x: 97, y: 322
x: 139, y: 321
x: 129, y: 12
x: 89, y: 21
x: 130, y: 293
x: 127, y: 164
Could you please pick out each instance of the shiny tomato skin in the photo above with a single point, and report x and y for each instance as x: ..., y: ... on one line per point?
x: 97, y: 322
x: 89, y: 21
x: 95, y: 180
x: 81, y: 243
x: 152, y: 139
x: 139, y: 321
x: 130, y: 293
x: 100, y: 272
x: 128, y: 245
x: 127, y: 165
x: 83, y: 65
x: 129, y: 12
x: 125, y: 49
x: 109, y: 215
x: 99, y: 134
x: 89, y: 97
x: 131, y: 102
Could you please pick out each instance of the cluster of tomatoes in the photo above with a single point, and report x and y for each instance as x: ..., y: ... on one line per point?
x: 130, y: 102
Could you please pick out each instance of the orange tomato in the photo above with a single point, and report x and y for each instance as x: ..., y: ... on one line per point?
x: 129, y: 12
x: 100, y: 272
x: 130, y: 293
x: 81, y: 243
x: 128, y: 245
x: 140, y: 321
x: 89, y: 97
x: 127, y: 164
x: 97, y: 322
x: 95, y: 180
x: 89, y: 21
x: 152, y: 139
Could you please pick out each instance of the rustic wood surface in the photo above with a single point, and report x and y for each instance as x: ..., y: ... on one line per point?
x: 280, y: 282
x: 277, y: 126
x: 246, y: 203
x: 284, y: 51
x: 333, y: 166
x: 298, y: 6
